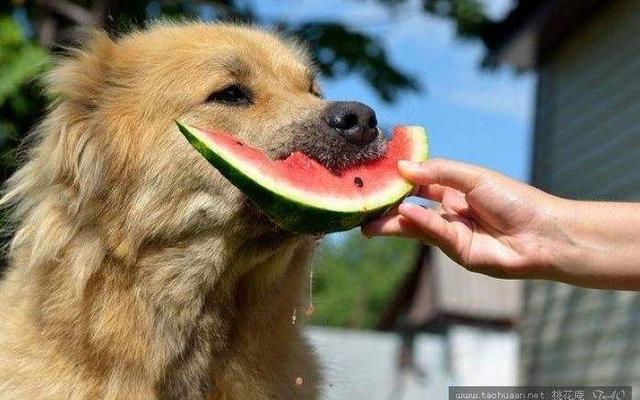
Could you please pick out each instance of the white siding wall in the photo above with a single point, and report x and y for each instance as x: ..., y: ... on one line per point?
x: 361, y: 365
x: 465, y: 293
x: 588, y: 147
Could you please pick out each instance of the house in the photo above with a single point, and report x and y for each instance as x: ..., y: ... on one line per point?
x: 438, y: 295
x: 587, y: 146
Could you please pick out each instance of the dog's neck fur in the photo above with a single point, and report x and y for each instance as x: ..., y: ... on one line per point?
x: 207, y: 319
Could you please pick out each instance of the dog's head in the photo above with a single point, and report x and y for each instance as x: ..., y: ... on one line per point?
x: 254, y: 85
x: 112, y: 149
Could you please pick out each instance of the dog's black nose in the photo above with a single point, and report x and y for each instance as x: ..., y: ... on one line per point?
x: 355, y: 121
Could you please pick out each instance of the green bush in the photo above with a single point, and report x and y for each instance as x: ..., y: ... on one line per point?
x: 21, y: 100
x: 354, y: 278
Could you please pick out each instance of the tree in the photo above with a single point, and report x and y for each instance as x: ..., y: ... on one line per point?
x: 29, y: 27
x: 21, y: 61
x: 354, y: 277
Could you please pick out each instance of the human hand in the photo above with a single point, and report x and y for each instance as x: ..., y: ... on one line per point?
x: 487, y: 222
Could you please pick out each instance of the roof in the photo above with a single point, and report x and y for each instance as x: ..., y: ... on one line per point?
x: 534, y: 28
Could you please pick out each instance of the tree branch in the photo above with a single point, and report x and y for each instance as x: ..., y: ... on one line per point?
x: 69, y: 10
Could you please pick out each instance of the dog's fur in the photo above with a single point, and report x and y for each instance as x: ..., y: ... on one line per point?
x: 136, y: 271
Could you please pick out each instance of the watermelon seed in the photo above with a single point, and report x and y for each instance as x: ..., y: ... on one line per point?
x: 240, y: 143
x: 358, y: 182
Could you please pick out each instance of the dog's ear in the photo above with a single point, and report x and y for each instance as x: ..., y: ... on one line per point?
x: 65, y: 161
x: 81, y: 76
x: 66, y: 148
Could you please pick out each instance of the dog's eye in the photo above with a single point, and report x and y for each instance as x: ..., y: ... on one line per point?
x: 231, y: 95
x: 314, y: 89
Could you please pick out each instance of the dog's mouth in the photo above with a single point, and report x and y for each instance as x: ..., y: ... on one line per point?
x: 333, y: 153
x: 316, y: 140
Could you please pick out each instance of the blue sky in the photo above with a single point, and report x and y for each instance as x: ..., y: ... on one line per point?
x: 476, y: 116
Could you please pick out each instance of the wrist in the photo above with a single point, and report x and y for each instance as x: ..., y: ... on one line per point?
x: 560, y: 248
x: 578, y: 256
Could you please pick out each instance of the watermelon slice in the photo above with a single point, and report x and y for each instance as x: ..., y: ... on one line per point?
x: 301, y: 195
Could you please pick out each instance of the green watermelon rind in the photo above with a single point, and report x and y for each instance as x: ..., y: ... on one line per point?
x: 290, y: 212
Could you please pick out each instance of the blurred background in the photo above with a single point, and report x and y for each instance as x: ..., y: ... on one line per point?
x: 546, y: 91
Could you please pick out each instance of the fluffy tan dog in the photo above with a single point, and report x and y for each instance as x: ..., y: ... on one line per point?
x: 136, y: 270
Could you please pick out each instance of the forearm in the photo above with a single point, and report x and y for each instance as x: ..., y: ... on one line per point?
x: 601, y: 244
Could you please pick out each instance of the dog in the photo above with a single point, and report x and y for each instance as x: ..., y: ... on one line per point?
x: 136, y: 271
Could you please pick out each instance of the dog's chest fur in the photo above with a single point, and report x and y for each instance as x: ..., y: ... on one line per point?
x: 172, y: 330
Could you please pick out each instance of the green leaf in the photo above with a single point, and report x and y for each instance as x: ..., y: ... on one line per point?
x: 10, y: 32
x: 23, y: 64
x: 20, y: 59
x: 340, y: 50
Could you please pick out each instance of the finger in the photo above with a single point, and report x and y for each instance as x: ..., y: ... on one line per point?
x: 457, y: 175
x: 393, y: 225
x: 454, y: 202
x: 431, y: 225
x: 390, y: 212
x: 431, y: 192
